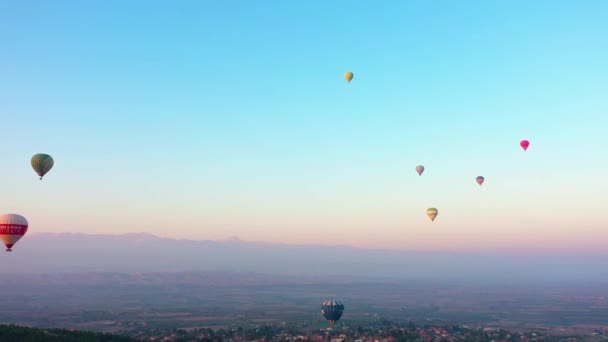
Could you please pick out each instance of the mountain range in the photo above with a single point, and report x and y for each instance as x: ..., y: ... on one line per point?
x: 133, y: 253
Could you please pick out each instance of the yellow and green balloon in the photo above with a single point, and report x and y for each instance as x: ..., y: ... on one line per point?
x: 42, y: 164
x: 348, y: 76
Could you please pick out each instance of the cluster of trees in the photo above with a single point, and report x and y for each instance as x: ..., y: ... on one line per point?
x: 14, y: 333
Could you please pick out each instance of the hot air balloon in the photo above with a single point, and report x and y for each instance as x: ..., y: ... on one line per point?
x: 348, y: 76
x: 432, y: 213
x: 480, y: 180
x: 42, y: 163
x: 524, y: 144
x: 420, y: 169
x: 12, y: 228
x: 332, y: 311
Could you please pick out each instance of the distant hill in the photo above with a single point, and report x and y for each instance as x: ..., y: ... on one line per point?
x: 132, y: 253
x: 14, y: 333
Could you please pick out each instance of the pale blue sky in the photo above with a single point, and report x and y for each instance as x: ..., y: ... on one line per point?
x: 204, y: 119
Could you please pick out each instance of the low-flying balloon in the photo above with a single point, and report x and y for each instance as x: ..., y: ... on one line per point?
x: 420, y: 169
x: 42, y: 164
x: 348, y: 76
x: 432, y: 213
x: 332, y: 311
x: 524, y: 144
x: 12, y: 228
x: 480, y: 180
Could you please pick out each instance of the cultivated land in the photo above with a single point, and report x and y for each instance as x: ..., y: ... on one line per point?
x: 112, y: 302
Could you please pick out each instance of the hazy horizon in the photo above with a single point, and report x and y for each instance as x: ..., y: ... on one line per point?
x: 582, y: 250
x: 57, y: 253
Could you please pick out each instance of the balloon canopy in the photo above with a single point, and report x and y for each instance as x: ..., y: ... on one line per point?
x: 348, y: 76
x: 332, y: 310
x: 12, y: 229
x: 42, y: 164
x: 432, y: 213
x: 420, y: 169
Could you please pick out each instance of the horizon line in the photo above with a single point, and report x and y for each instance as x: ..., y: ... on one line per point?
x: 236, y: 239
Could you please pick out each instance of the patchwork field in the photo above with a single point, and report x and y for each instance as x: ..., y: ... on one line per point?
x: 194, y: 300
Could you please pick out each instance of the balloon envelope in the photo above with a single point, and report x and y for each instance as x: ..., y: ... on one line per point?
x: 42, y: 163
x: 432, y: 213
x: 480, y: 180
x: 348, y: 76
x: 12, y: 228
x: 332, y: 310
x: 420, y: 169
x: 524, y: 144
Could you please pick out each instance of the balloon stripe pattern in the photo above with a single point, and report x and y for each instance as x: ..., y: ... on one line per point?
x: 12, y: 228
x: 42, y: 163
x: 432, y: 213
x: 332, y: 310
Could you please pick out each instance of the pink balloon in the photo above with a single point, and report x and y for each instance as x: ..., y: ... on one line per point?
x: 524, y: 144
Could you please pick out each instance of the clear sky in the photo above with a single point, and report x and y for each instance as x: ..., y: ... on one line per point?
x: 209, y: 119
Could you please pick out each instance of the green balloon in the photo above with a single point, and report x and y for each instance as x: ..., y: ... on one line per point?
x: 42, y: 164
